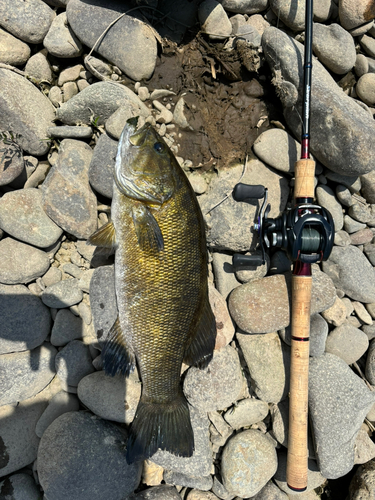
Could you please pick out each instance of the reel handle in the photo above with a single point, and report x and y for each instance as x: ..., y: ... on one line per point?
x: 243, y: 192
x: 240, y: 260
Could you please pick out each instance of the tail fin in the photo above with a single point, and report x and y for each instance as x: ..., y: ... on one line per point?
x: 165, y: 425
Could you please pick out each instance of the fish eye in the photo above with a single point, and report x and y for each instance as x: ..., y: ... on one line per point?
x: 159, y: 147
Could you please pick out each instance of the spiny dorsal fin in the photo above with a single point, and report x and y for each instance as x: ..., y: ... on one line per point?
x: 147, y: 229
x: 201, y: 348
x: 104, y: 237
x: 117, y: 354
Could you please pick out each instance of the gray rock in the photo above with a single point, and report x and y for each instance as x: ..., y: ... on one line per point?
x: 314, y: 477
x: 73, y: 443
x: 70, y: 132
x: 162, y: 492
x: 70, y: 74
x: 224, y: 232
x: 66, y: 327
x: 368, y: 45
x: 60, y: 40
x: 270, y: 492
x: 217, y: 386
x: 336, y: 314
x: 361, y: 66
x: 334, y: 47
x: 214, y: 20
x: 67, y: 196
x: 29, y: 112
x: 278, y: 149
x: 12, y: 50
x: 340, y: 129
x: 28, y: 21
x: 318, y: 334
x: 200, y: 463
x: 224, y: 324
x: 326, y: 198
x: 64, y: 293
x: 292, y: 14
x: 113, y: 398
x: 353, y: 17
x: 338, y: 402
x: 352, y: 273
x: 370, y: 363
x: 103, y: 300
x: 351, y: 225
x: 368, y: 186
x: 132, y: 107
x: 246, y: 412
x: 11, y: 163
x: 347, y: 342
x: 22, y: 216
x: 245, y: 6
x: 20, y: 487
x: 38, y: 69
x: 201, y: 495
x: 102, y: 165
x: 52, y: 276
x: 362, y: 485
x: 98, y: 101
x: 225, y: 277
x: 73, y: 363
x: 61, y: 403
x: 365, y: 88
x: 242, y: 475
x: 20, y: 263
x: 24, y: 374
x: 342, y: 239
x: 360, y: 212
x: 362, y: 237
x: 343, y: 195
x: 261, y: 306
x: 129, y: 44
x: 364, y: 447
x: 204, y: 483
x: 369, y: 250
x: 25, y: 321
x: 352, y: 182
x: 269, y: 380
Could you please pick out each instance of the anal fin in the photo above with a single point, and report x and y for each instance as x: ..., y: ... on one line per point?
x: 104, y: 237
x: 201, y: 347
x: 117, y: 355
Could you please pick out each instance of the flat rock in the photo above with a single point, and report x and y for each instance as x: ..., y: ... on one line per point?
x: 352, y: 16
x: 90, y: 451
x: 73, y: 363
x: 38, y: 68
x: 327, y: 199
x: 225, y: 233
x: 67, y: 195
x: 26, y: 321
x: 28, y: 21
x: 341, y: 130
x: 61, y: 403
x: 103, y: 300
x: 217, y: 386
x: 246, y: 412
x: 22, y: 216
x: 269, y: 380
x: 98, y: 101
x: 70, y: 132
x: 278, y: 149
x: 248, y: 462
x: 12, y: 50
x: 334, y: 47
x: 338, y: 403
x: 214, y: 20
x: 368, y: 186
x: 177, y: 478
x: 60, y: 40
x: 129, y: 44
x: 224, y: 325
x: 29, y: 111
x: 24, y: 374
x: 20, y: 263
x: 102, y: 165
x: 290, y: 13
x: 66, y: 327
x: 112, y: 398
x: 352, y: 272
x: 64, y: 293
x: 347, y: 342
x: 21, y: 487
x: 200, y: 463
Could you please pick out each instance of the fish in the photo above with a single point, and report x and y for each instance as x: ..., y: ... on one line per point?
x: 157, y: 233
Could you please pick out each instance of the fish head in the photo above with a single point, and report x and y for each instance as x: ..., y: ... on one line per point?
x: 145, y: 168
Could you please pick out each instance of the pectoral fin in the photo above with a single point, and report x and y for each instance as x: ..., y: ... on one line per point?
x: 117, y: 355
x: 201, y: 348
x: 147, y: 229
x: 104, y: 237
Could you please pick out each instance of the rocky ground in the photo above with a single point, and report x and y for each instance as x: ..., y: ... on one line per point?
x: 222, y: 82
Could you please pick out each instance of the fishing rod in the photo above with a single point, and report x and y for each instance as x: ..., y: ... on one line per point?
x: 306, y: 233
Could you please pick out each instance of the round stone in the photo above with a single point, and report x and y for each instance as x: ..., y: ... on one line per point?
x: 21, y: 263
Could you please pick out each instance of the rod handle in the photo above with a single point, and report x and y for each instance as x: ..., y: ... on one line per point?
x: 299, y: 379
x: 304, y: 178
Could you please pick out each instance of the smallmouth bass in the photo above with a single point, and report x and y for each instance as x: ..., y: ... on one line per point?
x: 164, y: 316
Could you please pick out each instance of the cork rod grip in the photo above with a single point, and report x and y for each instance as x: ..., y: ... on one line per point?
x: 304, y: 179
x: 298, y: 396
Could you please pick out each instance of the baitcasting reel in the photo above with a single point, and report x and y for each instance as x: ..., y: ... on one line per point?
x: 306, y: 231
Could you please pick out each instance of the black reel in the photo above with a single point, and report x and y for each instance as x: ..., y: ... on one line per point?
x: 306, y: 231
